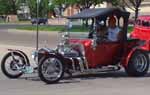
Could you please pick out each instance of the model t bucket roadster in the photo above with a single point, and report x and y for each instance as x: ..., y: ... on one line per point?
x: 96, y: 52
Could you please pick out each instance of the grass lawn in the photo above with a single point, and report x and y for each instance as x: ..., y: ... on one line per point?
x: 16, y: 22
x: 130, y: 28
x: 53, y: 28
x: 59, y: 28
x: 1, y: 21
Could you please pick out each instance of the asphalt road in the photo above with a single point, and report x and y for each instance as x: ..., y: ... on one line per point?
x: 117, y: 83
x: 13, y: 37
x: 8, y: 35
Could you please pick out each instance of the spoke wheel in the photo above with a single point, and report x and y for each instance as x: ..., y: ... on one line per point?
x: 51, y: 70
x: 11, y: 67
x: 138, y: 64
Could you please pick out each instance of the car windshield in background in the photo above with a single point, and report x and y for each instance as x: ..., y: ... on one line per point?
x: 146, y: 23
x: 143, y: 23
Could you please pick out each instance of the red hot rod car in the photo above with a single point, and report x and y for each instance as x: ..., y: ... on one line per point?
x: 104, y: 49
x: 95, y: 53
x: 142, y: 30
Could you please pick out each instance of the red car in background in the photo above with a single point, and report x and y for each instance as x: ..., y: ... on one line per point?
x: 142, y: 30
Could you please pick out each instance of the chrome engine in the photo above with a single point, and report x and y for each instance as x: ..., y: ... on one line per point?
x: 73, y: 52
x: 68, y: 49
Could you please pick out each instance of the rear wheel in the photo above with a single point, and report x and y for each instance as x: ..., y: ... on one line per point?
x: 11, y: 65
x: 51, y: 69
x: 138, y: 64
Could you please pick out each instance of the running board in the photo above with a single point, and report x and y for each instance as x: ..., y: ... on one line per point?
x: 103, y: 69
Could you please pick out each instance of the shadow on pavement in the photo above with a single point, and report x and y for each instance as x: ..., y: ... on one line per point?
x: 73, y: 79
x: 119, y: 74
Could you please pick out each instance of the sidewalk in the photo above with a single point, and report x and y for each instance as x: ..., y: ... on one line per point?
x: 57, y: 21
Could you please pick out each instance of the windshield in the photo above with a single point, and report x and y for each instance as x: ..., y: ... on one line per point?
x: 109, y: 28
x: 79, y: 28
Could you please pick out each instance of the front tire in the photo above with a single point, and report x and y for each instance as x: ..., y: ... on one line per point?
x: 138, y: 64
x: 51, y: 69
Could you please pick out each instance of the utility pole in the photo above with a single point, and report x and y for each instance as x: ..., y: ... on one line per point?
x: 37, y: 26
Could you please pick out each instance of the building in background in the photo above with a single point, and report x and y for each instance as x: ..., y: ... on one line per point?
x: 24, y: 12
x: 71, y: 10
x: 144, y: 8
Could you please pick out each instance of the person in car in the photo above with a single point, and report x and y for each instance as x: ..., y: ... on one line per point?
x: 101, y: 33
x: 113, y: 30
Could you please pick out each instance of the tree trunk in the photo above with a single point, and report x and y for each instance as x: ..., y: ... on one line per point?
x: 136, y: 13
x: 14, y: 7
x: 86, y: 23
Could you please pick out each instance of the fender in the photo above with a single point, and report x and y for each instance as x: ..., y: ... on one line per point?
x: 44, y: 52
x: 44, y: 55
x: 127, y: 56
x: 22, y: 53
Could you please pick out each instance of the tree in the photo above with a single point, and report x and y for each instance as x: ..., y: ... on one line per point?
x: 14, y: 6
x: 61, y: 5
x: 85, y: 4
x: 9, y: 6
x: 51, y: 10
x: 113, y: 2
x: 32, y: 4
x: 82, y: 4
x: 3, y: 7
x: 133, y: 5
x: 43, y: 8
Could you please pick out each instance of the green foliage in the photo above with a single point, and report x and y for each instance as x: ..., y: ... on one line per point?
x: 9, y: 6
x: 83, y: 4
x: 33, y: 7
x: 3, y: 7
x: 43, y: 8
x: 134, y: 5
x: 60, y: 28
x: 113, y: 2
x: 51, y: 7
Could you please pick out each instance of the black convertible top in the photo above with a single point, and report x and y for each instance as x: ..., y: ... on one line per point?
x: 98, y: 12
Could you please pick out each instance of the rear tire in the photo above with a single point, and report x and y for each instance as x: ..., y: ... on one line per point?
x: 138, y: 64
x: 4, y: 69
x: 54, y: 63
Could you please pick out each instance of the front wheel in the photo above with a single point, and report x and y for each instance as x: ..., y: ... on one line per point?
x: 51, y: 69
x: 12, y: 63
x: 138, y: 64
